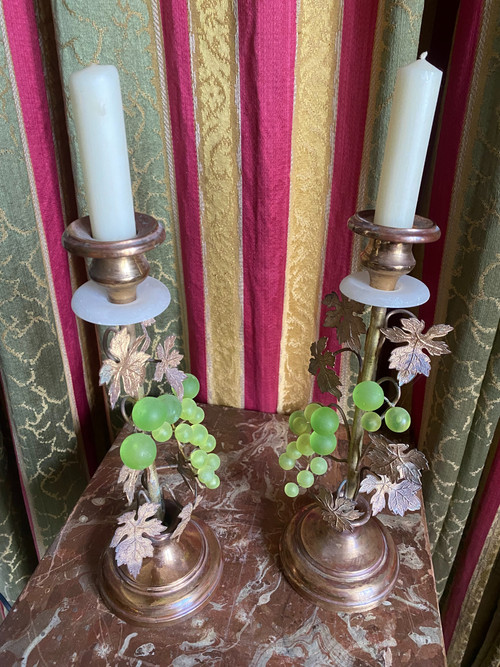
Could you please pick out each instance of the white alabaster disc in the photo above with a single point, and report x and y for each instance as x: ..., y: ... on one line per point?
x: 90, y: 302
x: 409, y: 291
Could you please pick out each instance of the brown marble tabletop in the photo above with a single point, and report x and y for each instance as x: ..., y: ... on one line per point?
x: 254, y: 617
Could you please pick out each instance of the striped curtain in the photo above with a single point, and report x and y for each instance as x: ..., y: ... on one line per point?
x: 255, y: 129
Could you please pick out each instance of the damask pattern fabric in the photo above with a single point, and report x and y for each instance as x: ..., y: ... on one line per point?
x: 255, y: 130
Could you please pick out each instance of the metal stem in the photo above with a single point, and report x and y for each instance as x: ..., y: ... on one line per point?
x: 367, y: 372
x: 153, y: 484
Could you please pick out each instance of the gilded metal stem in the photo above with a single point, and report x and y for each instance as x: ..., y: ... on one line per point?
x: 368, y: 372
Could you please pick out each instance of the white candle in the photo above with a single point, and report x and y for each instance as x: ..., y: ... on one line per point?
x: 100, y: 130
x: 413, y: 107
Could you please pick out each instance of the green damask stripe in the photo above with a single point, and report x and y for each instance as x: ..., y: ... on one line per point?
x: 17, y: 554
x: 31, y: 363
x: 123, y: 34
x: 465, y: 407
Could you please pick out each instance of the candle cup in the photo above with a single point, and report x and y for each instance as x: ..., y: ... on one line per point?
x: 119, y: 266
x: 389, y: 252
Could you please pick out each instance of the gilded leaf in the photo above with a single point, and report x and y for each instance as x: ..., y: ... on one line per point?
x: 346, y: 318
x: 127, y: 369
x: 401, y: 496
x: 410, y: 359
x: 128, y: 477
x: 395, y: 460
x: 131, y: 538
x: 327, y: 378
x: 185, y: 517
x: 166, y: 368
x: 338, y: 512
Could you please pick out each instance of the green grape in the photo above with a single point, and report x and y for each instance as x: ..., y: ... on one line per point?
x: 298, y: 423
x: 173, y: 405
x: 292, y: 450
x: 305, y: 479
x: 308, y: 411
x: 291, y: 489
x: 371, y: 421
x: 213, y: 483
x: 183, y: 432
x: 368, y: 395
x: 209, y: 444
x: 304, y: 444
x: 293, y: 416
x: 323, y: 444
x: 318, y: 465
x: 188, y: 409
x: 199, y: 435
x: 198, y: 416
x: 212, y: 462
x: 206, y: 475
x: 325, y: 421
x: 398, y: 419
x: 163, y: 433
x: 198, y: 458
x: 286, y: 462
x: 191, y: 386
x: 138, y: 451
x: 149, y: 413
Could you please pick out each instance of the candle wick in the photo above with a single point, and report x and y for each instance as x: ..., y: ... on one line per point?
x: 424, y: 55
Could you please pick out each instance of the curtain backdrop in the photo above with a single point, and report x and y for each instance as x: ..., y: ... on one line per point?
x: 255, y: 129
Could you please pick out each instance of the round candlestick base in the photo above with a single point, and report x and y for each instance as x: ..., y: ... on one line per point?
x: 173, y: 584
x: 339, y: 571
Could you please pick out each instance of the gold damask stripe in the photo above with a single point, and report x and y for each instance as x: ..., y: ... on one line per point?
x: 46, y: 263
x: 213, y: 37
x: 319, y: 30
x: 474, y: 594
x: 160, y: 82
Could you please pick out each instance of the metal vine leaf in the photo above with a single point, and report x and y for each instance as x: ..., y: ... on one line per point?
x: 166, y: 367
x: 401, y: 496
x: 128, y: 477
x: 321, y: 359
x: 395, y: 460
x: 131, y: 538
x: 346, y: 318
x: 410, y: 359
x: 127, y: 367
x: 338, y: 512
x: 185, y: 517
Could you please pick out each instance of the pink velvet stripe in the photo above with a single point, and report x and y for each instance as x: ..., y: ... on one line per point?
x: 25, y: 50
x: 470, y: 552
x: 178, y: 58
x: 458, y: 84
x: 266, y: 59
x: 358, y: 30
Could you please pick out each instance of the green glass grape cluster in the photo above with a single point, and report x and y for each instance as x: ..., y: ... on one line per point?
x: 155, y: 419
x: 315, y: 428
x: 369, y: 396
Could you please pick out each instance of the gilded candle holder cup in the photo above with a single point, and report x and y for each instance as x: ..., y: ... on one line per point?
x: 118, y: 266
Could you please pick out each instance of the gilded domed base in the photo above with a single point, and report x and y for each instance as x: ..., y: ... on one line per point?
x: 347, y: 571
x: 173, y: 584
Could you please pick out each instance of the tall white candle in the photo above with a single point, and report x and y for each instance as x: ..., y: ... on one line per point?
x: 413, y: 107
x: 100, y: 129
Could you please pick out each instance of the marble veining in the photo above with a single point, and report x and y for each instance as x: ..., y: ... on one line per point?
x: 254, y: 617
